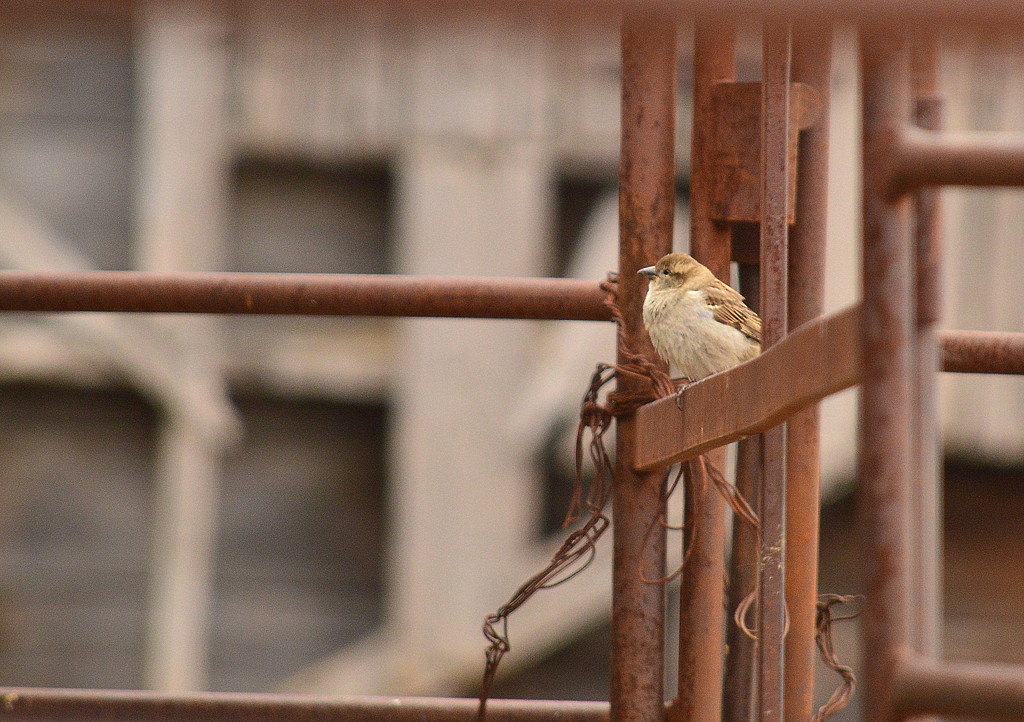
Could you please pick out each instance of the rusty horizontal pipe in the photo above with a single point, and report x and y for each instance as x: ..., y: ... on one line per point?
x: 303, y: 294
x: 988, y: 352
x: 923, y: 157
x: 80, y: 704
x: 999, y: 14
x: 958, y: 689
x: 368, y: 295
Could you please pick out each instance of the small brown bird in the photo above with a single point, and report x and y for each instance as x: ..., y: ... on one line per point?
x: 697, y: 323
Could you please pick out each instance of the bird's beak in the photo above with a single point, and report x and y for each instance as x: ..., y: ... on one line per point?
x: 649, y: 272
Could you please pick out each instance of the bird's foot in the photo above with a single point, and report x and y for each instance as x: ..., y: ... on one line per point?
x: 682, y: 383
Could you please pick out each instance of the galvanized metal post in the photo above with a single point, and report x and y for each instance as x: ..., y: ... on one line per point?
x: 771, y: 616
x: 701, y: 595
x: 812, y: 64
x: 887, y: 320
x: 646, y: 210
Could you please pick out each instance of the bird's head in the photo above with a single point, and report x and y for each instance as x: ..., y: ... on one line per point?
x: 677, y: 270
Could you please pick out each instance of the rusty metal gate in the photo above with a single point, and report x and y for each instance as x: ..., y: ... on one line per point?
x: 771, y: 218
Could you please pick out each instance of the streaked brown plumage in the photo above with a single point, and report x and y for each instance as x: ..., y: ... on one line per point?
x: 697, y: 323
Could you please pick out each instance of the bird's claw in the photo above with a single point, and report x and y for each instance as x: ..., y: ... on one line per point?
x: 683, y: 383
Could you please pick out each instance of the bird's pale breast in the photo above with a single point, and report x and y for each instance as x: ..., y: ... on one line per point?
x: 685, y: 333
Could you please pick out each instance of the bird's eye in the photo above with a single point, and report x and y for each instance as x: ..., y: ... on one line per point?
x: 666, y: 272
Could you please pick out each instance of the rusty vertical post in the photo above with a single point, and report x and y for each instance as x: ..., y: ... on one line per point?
x: 885, y: 449
x: 812, y: 64
x: 714, y: 62
x: 701, y: 594
x: 927, y: 495
x: 646, y: 210
x: 738, y: 699
x: 771, y: 614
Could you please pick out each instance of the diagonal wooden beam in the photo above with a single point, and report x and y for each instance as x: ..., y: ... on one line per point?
x: 818, y: 359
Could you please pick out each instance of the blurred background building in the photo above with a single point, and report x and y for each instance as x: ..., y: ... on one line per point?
x: 333, y: 505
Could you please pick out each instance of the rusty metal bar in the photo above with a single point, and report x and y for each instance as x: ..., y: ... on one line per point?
x: 1001, y: 14
x: 926, y: 496
x: 991, y: 352
x: 646, y: 210
x: 812, y: 64
x: 957, y: 689
x: 306, y: 294
x: 982, y: 352
x: 701, y: 599
x: 701, y: 595
x: 738, y: 700
x: 885, y: 448
x: 919, y: 157
x: 739, y: 684
x: 775, y: 130
x: 25, y: 704
x: 367, y: 295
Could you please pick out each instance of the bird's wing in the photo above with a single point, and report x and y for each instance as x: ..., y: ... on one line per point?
x: 727, y: 307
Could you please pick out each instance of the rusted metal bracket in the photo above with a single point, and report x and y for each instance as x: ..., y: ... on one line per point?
x: 736, y: 148
x: 820, y: 358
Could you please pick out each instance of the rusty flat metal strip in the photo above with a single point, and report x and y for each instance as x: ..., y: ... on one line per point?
x: 26, y: 704
x: 714, y: 64
x: 812, y: 65
x: 734, y: 156
x: 818, y: 359
x: 962, y: 690
x: 646, y: 210
x: 303, y: 294
x: 701, y: 595
x: 775, y: 142
x: 885, y: 450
